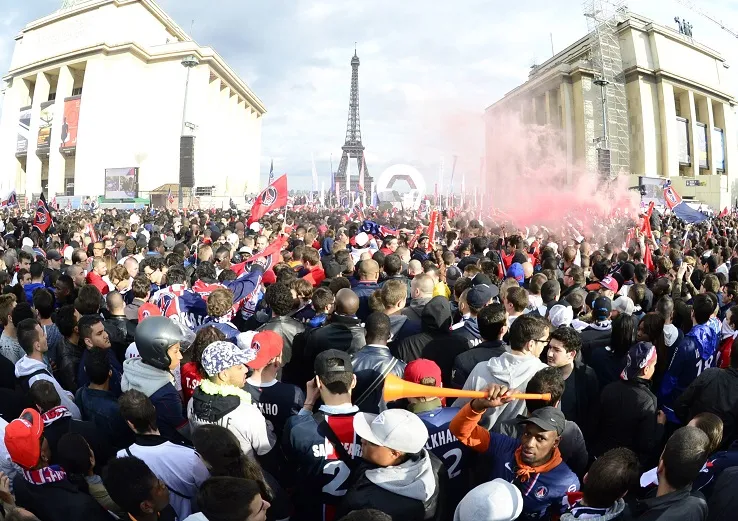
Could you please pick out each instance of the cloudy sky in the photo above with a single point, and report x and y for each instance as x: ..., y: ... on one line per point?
x: 428, y: 68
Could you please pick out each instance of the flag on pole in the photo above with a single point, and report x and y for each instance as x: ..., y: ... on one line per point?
x: 451, y: 183
x: 724, y: 212
x: 170, y: 197
x: 315, y: 179
x: 432, y: 230
x: 338, y: 192
x: 375, y: 196
x: 43, y: 218
x: 680, y: 208
x: 10, y: 201
x: 270, y: 256
x: 271, y: 173
x: 272, y: 197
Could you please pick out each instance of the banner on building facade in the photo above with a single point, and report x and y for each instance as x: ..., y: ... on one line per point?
x: 71, y: 122
x: 24, y: 128
x: 702, y: 145
x: 718, y: 148
x: 683, y: 141
x: 46, y: 120
x: 121, y: 183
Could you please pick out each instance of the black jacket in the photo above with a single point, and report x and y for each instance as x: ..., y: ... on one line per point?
x: 60, y: 501
x: 126, y: 331
x: 594, y: 336
x: 342, y: 332
x: 716, y: 391
x: 628, y: 419
x: 466, y: 361
x: 587, y: 403
x: 723, y: 504
x: 682, y: 505
x: 69, y: 360
x: 369, y: 364
x: 362, y: 494
x: 7, y: 373
x: 99, y: 445
x: 435, y: 324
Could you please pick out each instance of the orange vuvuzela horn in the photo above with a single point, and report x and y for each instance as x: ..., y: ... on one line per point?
x: 396, y: 388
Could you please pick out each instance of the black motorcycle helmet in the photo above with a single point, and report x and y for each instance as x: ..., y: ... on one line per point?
x: 154, y: 336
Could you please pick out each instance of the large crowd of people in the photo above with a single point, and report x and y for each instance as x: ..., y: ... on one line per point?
x: 164, y: 365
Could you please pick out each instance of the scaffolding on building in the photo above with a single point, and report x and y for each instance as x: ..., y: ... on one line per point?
x: 612, y: 142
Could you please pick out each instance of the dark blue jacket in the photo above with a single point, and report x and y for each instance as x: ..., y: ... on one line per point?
x: 695, y: 353
x: 364, y: 290
x: 101, y: 408
x: 83, y: 380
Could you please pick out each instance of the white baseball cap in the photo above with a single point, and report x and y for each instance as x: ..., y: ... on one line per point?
x: 395, y: 429
x: 496, y: 500
x: 361, y: 239
x: 255, y: 227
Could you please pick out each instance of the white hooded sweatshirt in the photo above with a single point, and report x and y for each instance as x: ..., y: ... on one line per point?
x: 511, y: 370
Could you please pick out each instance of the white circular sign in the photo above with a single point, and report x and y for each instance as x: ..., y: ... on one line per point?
x: 387, y: 189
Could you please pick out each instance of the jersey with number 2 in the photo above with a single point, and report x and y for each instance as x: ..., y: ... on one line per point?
x: 321, y: 475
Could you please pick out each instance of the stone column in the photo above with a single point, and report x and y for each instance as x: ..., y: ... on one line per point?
x: 669, y: 144
x: 687, y: 101
x: 568, y: 126
x: 57, y: 160
x: 33, y: 162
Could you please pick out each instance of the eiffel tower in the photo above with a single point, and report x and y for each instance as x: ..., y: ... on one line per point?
x: 353, y: 150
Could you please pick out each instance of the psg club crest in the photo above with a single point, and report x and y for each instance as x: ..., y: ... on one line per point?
x: 256, y: 346
x: 41, y: 217
x: 269, y: 197
x: 541, y: 492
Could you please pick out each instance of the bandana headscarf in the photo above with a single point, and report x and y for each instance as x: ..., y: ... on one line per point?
x: 57, y: 413
x: 524, y: 471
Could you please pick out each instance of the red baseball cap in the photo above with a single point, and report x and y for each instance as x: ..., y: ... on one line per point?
x: 148, y: 310
x: 268, y: 346
x: 422, y: 368
x: 23, y: 438
x: 609, y: 283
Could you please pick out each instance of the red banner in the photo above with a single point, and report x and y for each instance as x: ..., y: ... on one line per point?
x: 432, y: 230
x: 71, y: 122
x: 270, y: 256
x: 274, y: 196
x: 671, y: 197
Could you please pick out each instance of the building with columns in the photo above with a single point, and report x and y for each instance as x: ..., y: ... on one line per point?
x: 681, y: 122
x: 97, y: 90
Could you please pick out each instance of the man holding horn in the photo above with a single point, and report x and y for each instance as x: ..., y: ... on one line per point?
x: 532, y: 463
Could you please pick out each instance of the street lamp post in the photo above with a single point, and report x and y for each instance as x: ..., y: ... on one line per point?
x: 188, y: 62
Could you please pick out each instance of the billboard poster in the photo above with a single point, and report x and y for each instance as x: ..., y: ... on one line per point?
x: 46, y: 120
x: 702, y: 144
x: 70, y: 123
x: 121, y: 183
x: 683, y: 141
x: 718, y: 148
x: 652, y: 189
x: 24, y: 128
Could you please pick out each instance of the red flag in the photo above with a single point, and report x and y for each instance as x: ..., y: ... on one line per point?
x: 724, y: 212
x: 270, y: 256
x: 646, y: 226
x: 43, y: 219
x: 432, y: 229
x: 274, y: 196
x: 648, y: 260
x: 671, y: 198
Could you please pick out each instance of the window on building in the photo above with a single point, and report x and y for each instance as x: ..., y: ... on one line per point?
x: 677, y: 107
x: 206, y: 191
x: 77, y: 91
x: 52, y: 96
